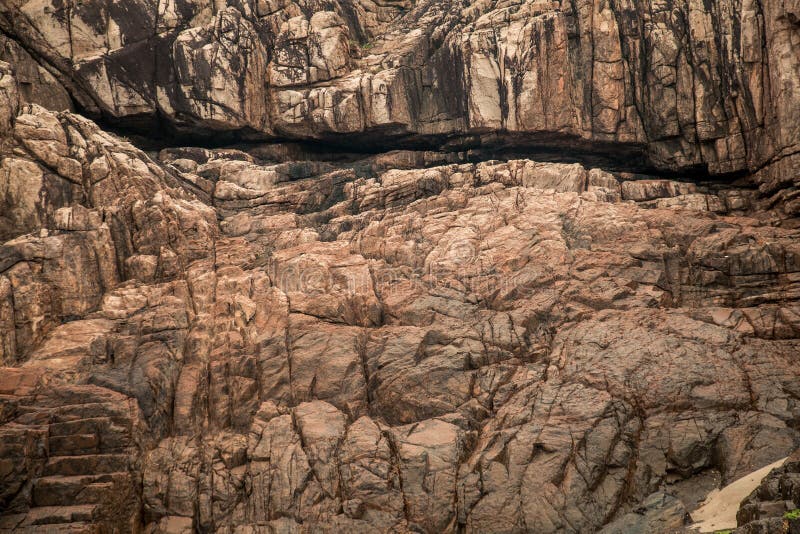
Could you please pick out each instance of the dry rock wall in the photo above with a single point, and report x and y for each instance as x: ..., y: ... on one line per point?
x: 354, y: 317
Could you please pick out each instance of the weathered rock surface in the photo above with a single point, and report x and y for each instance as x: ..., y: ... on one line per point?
x: 769, y: 508
x: 689, y: 83
x: 296, y: 338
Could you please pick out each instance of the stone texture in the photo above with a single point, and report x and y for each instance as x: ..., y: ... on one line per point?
x: 488, y: 346
x: 687, y: 83
x: 301, y: 337
x: 767, y: 508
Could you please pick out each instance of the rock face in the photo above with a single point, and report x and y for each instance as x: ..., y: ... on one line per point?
x: 688, y: 83
x: 773, y: 506
x: 310, y: 337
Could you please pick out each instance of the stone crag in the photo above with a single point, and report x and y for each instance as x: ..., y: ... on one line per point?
x: 692, y: 83
x: 303, y: 332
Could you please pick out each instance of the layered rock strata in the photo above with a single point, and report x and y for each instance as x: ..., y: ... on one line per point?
x: 204, y: 340
x: 372, y: 310
x: 690, y: 84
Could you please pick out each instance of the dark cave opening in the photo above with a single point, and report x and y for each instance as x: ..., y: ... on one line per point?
x: 155, y: 133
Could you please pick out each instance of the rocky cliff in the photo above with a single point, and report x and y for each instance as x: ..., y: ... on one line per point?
x: 688, y: 84
x: 396, y: 266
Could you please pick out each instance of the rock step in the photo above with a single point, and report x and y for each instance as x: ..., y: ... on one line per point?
x: 68, y: 397
x: 90, y: 425
x: 55, y: 515
x: 74, y: 412
x: 66, y: 528
x: 79, y: 489
x: 16, y: 440
x: 755, y: 511
x: 89, y: 464
x: 90, y: 443
x: 10, y: 522
x: 83, y: 411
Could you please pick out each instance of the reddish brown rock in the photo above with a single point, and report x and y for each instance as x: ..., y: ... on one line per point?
x: 298, y: 338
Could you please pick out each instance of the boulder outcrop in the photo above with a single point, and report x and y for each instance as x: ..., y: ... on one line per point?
x: 689, y: 84
x: 351, y: 318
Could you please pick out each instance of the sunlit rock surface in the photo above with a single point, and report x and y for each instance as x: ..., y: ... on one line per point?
x: 359, y: 301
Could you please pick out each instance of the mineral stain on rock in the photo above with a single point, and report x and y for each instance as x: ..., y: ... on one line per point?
x: 397, y: 265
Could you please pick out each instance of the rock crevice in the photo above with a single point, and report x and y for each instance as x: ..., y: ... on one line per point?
x: 500, y: 301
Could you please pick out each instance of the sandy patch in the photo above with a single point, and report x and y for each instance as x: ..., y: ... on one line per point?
x: 718, y: 511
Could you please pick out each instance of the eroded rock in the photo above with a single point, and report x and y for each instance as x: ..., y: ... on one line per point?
x: 272, y: 340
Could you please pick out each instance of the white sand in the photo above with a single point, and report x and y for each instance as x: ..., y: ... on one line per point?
x: 718, y: 511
